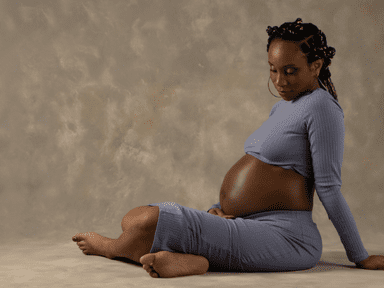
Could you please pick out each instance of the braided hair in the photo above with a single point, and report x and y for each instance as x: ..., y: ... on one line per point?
x: 313, y: 44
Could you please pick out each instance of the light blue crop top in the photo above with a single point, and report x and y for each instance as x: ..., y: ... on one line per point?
x: 307, y: 136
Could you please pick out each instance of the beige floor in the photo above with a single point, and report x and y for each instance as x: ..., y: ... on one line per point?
x: 37, y: 264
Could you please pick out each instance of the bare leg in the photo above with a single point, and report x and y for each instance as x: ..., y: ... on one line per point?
x: 139, y: 227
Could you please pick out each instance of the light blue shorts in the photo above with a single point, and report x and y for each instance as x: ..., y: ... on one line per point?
x: 263, y: 242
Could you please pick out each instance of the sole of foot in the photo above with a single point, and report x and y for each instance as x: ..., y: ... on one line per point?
x: 92, y: 243
x: 169, y: 265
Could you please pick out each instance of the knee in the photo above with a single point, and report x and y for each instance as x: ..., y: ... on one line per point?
x: 142, y: 217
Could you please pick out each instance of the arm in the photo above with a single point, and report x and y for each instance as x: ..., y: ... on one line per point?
x: 340, y: 214
x: 325, y: 125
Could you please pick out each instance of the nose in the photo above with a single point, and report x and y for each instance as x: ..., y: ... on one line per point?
x: 280, y: 80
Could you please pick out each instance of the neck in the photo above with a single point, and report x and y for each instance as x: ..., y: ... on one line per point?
x: 315, y: 86
x: 308, y: 91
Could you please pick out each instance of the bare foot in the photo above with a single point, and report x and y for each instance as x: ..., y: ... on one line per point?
x: 92, y: 243
x: 168, y: 265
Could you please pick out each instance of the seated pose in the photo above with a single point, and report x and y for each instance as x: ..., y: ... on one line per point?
x: 263, y: 222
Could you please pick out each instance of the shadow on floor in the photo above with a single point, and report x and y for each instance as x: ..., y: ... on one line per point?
x: 329, y: 261
x: 334, y: 260
x: 128, y: 261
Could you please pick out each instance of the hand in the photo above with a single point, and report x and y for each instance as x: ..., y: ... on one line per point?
x: 373, y: 262
x: 219, y: 212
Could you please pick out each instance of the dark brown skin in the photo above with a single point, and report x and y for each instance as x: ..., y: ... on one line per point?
x: 252, y: 186
x: 290, y: 71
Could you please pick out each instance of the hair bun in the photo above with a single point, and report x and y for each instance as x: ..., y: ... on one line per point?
x: 330, y: 52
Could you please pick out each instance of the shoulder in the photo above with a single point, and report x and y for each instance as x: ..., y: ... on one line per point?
x: 321, y: 101
x: 275, y: 107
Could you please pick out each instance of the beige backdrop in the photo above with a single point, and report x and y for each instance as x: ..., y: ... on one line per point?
x: 110, y: 105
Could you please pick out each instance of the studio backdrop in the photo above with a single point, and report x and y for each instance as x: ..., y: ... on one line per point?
x: 110, y: 105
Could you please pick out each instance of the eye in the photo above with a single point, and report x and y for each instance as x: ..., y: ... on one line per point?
x: 291, y: 69
x: 291, y: 73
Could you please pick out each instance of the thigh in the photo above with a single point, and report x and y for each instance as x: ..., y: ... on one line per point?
x: 276, y: 241
x: 248, y: 245
x: 186, y: 230
x: 245, y: 245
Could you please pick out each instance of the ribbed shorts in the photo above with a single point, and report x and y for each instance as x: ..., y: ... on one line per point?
x: 272, y: 241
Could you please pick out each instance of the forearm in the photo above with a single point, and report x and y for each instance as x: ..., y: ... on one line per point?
x: 342, y: 219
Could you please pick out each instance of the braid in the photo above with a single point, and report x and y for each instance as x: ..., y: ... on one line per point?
x: 312, y: 42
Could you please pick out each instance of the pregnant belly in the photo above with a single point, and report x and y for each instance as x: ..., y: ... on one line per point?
x: 252, y: 186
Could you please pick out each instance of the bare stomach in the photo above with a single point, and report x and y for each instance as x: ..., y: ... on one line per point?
x: 252, y: 186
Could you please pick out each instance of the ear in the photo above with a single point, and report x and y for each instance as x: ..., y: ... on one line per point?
x: 316, y: 66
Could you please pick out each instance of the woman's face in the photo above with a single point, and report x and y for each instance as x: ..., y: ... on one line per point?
x: 289, y: 69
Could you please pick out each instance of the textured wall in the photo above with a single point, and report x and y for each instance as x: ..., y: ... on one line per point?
x: 110, y: 105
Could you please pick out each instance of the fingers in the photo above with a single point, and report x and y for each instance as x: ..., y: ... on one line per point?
x: 219, y: 212
x: 214, y: 211
x: 223, y: 215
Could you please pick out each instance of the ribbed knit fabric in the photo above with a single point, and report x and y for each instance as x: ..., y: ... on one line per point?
x: 307, y: 136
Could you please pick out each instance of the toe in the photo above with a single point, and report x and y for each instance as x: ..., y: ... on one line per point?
x: 78, y: 238
x: 147, y: 259
x: 154, y: 275
x: 147, y: 268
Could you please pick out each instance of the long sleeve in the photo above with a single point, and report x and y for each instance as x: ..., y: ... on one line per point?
x: 215, y: 206
x: 325, y: 124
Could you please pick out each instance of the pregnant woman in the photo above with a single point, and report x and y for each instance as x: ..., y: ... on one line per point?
x: 263, y: 221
